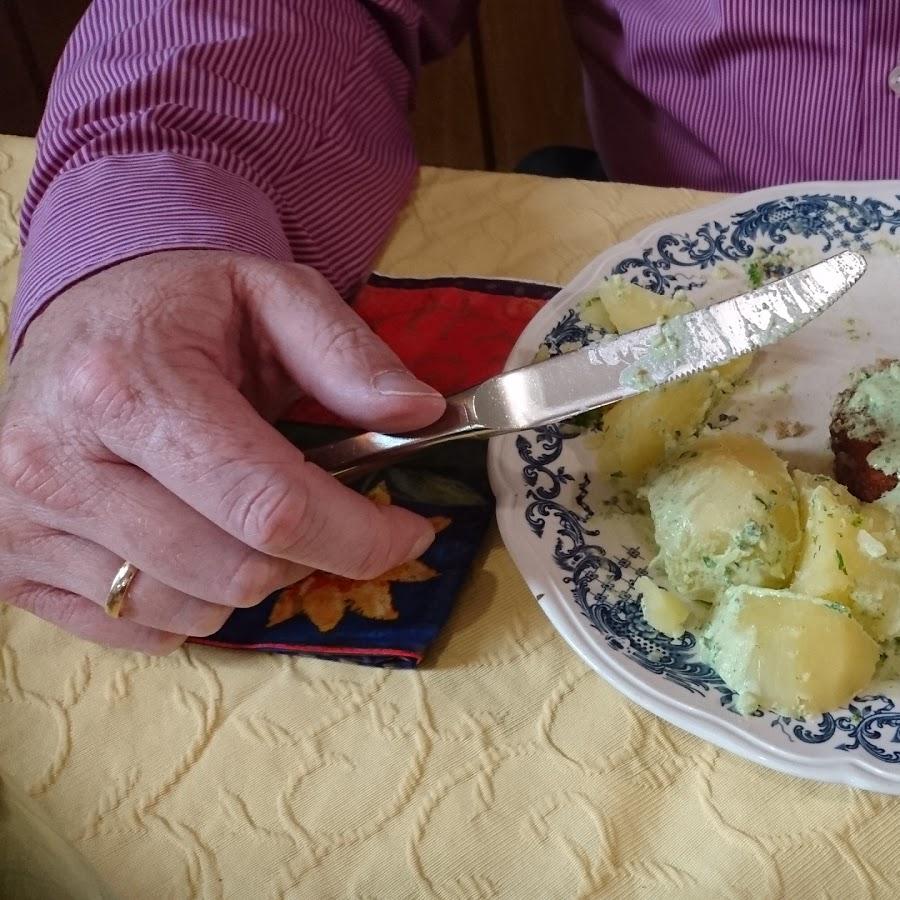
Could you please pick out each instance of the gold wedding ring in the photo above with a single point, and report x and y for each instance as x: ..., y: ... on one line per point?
x: 119, y: 589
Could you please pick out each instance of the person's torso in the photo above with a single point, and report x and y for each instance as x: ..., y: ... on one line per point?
x: 736, y: 94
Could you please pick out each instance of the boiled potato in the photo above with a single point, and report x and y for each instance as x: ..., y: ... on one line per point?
x: 831, y: 521
x: 594, y: 313
x: 640, y: 433
x: 732, y: 372
x: 850, y: 554
x: 663, y: 610
x: 788, y: 652
x: 724, y: 513
x: 630, y: 307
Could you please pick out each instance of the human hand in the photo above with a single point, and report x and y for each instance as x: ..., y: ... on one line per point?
x: 135, y: 426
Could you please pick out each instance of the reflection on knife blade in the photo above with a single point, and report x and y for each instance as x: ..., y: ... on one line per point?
x: 689, y: 343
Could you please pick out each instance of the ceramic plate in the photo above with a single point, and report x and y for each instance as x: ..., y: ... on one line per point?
x: 579, y: 548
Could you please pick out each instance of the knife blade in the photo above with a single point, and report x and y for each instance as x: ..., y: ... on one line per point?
x: 616, y: 367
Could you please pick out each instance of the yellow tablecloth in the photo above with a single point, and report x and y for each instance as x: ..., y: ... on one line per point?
x: 504, y: 769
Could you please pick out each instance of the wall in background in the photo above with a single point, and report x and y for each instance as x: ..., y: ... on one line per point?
x: 512, y: 86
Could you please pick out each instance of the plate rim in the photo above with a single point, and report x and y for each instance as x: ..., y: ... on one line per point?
x: 857, y: 772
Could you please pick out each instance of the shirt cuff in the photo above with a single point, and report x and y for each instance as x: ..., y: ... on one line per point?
x: 121, y: 207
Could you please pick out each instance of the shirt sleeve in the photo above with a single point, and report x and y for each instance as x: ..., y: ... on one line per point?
x: 278, y: 127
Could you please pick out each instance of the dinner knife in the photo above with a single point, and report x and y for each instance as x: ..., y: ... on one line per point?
x: 615, y: 367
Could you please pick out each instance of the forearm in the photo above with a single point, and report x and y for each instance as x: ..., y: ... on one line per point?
x: 273, y: 127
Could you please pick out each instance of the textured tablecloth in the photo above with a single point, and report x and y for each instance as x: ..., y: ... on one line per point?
x: 503, y: 769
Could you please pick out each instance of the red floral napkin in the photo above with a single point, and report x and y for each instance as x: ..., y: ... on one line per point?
x: 452, y: 333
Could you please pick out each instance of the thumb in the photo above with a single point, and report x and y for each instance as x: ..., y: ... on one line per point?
x: 334, y: 356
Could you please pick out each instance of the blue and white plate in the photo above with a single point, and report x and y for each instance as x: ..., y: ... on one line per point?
x: 579, y: 547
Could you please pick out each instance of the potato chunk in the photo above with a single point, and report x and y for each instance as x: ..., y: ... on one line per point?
x: 663, y: 610
x: 640, y: 433
x: 850, y: 554
x: 630, y: 307
x: 725, y: 513
x: 788, y: 652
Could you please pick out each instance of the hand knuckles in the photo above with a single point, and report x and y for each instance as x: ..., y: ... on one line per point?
x: 36, y: 466
x: 312, y: 281
x: 265, y: 275
x: 22, y: 545
x: 47, y: 602
x: 67, y: 609
x: 272, y: 519
x: 27, y: 459
x: 100, y: 385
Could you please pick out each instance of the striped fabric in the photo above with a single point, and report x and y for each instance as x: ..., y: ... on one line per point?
x: 735, y: 94
x: 280, y: 126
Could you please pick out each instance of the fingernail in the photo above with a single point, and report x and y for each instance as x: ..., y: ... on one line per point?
x: 422, y: 544
x: 401, y: 384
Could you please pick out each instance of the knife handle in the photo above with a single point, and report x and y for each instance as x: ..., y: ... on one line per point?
x: 371, y: 450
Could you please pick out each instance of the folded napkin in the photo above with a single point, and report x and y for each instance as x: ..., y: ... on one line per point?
x: 452, y: 333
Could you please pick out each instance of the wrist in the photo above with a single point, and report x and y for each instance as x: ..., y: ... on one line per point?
x: 119, y: 208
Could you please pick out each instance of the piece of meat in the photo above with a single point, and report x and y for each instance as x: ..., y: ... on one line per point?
x: 851, y: 466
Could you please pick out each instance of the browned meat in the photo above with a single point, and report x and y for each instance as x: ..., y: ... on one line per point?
x: 851, y: 468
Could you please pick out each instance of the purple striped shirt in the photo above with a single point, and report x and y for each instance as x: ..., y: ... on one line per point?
x: 279, y: 127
